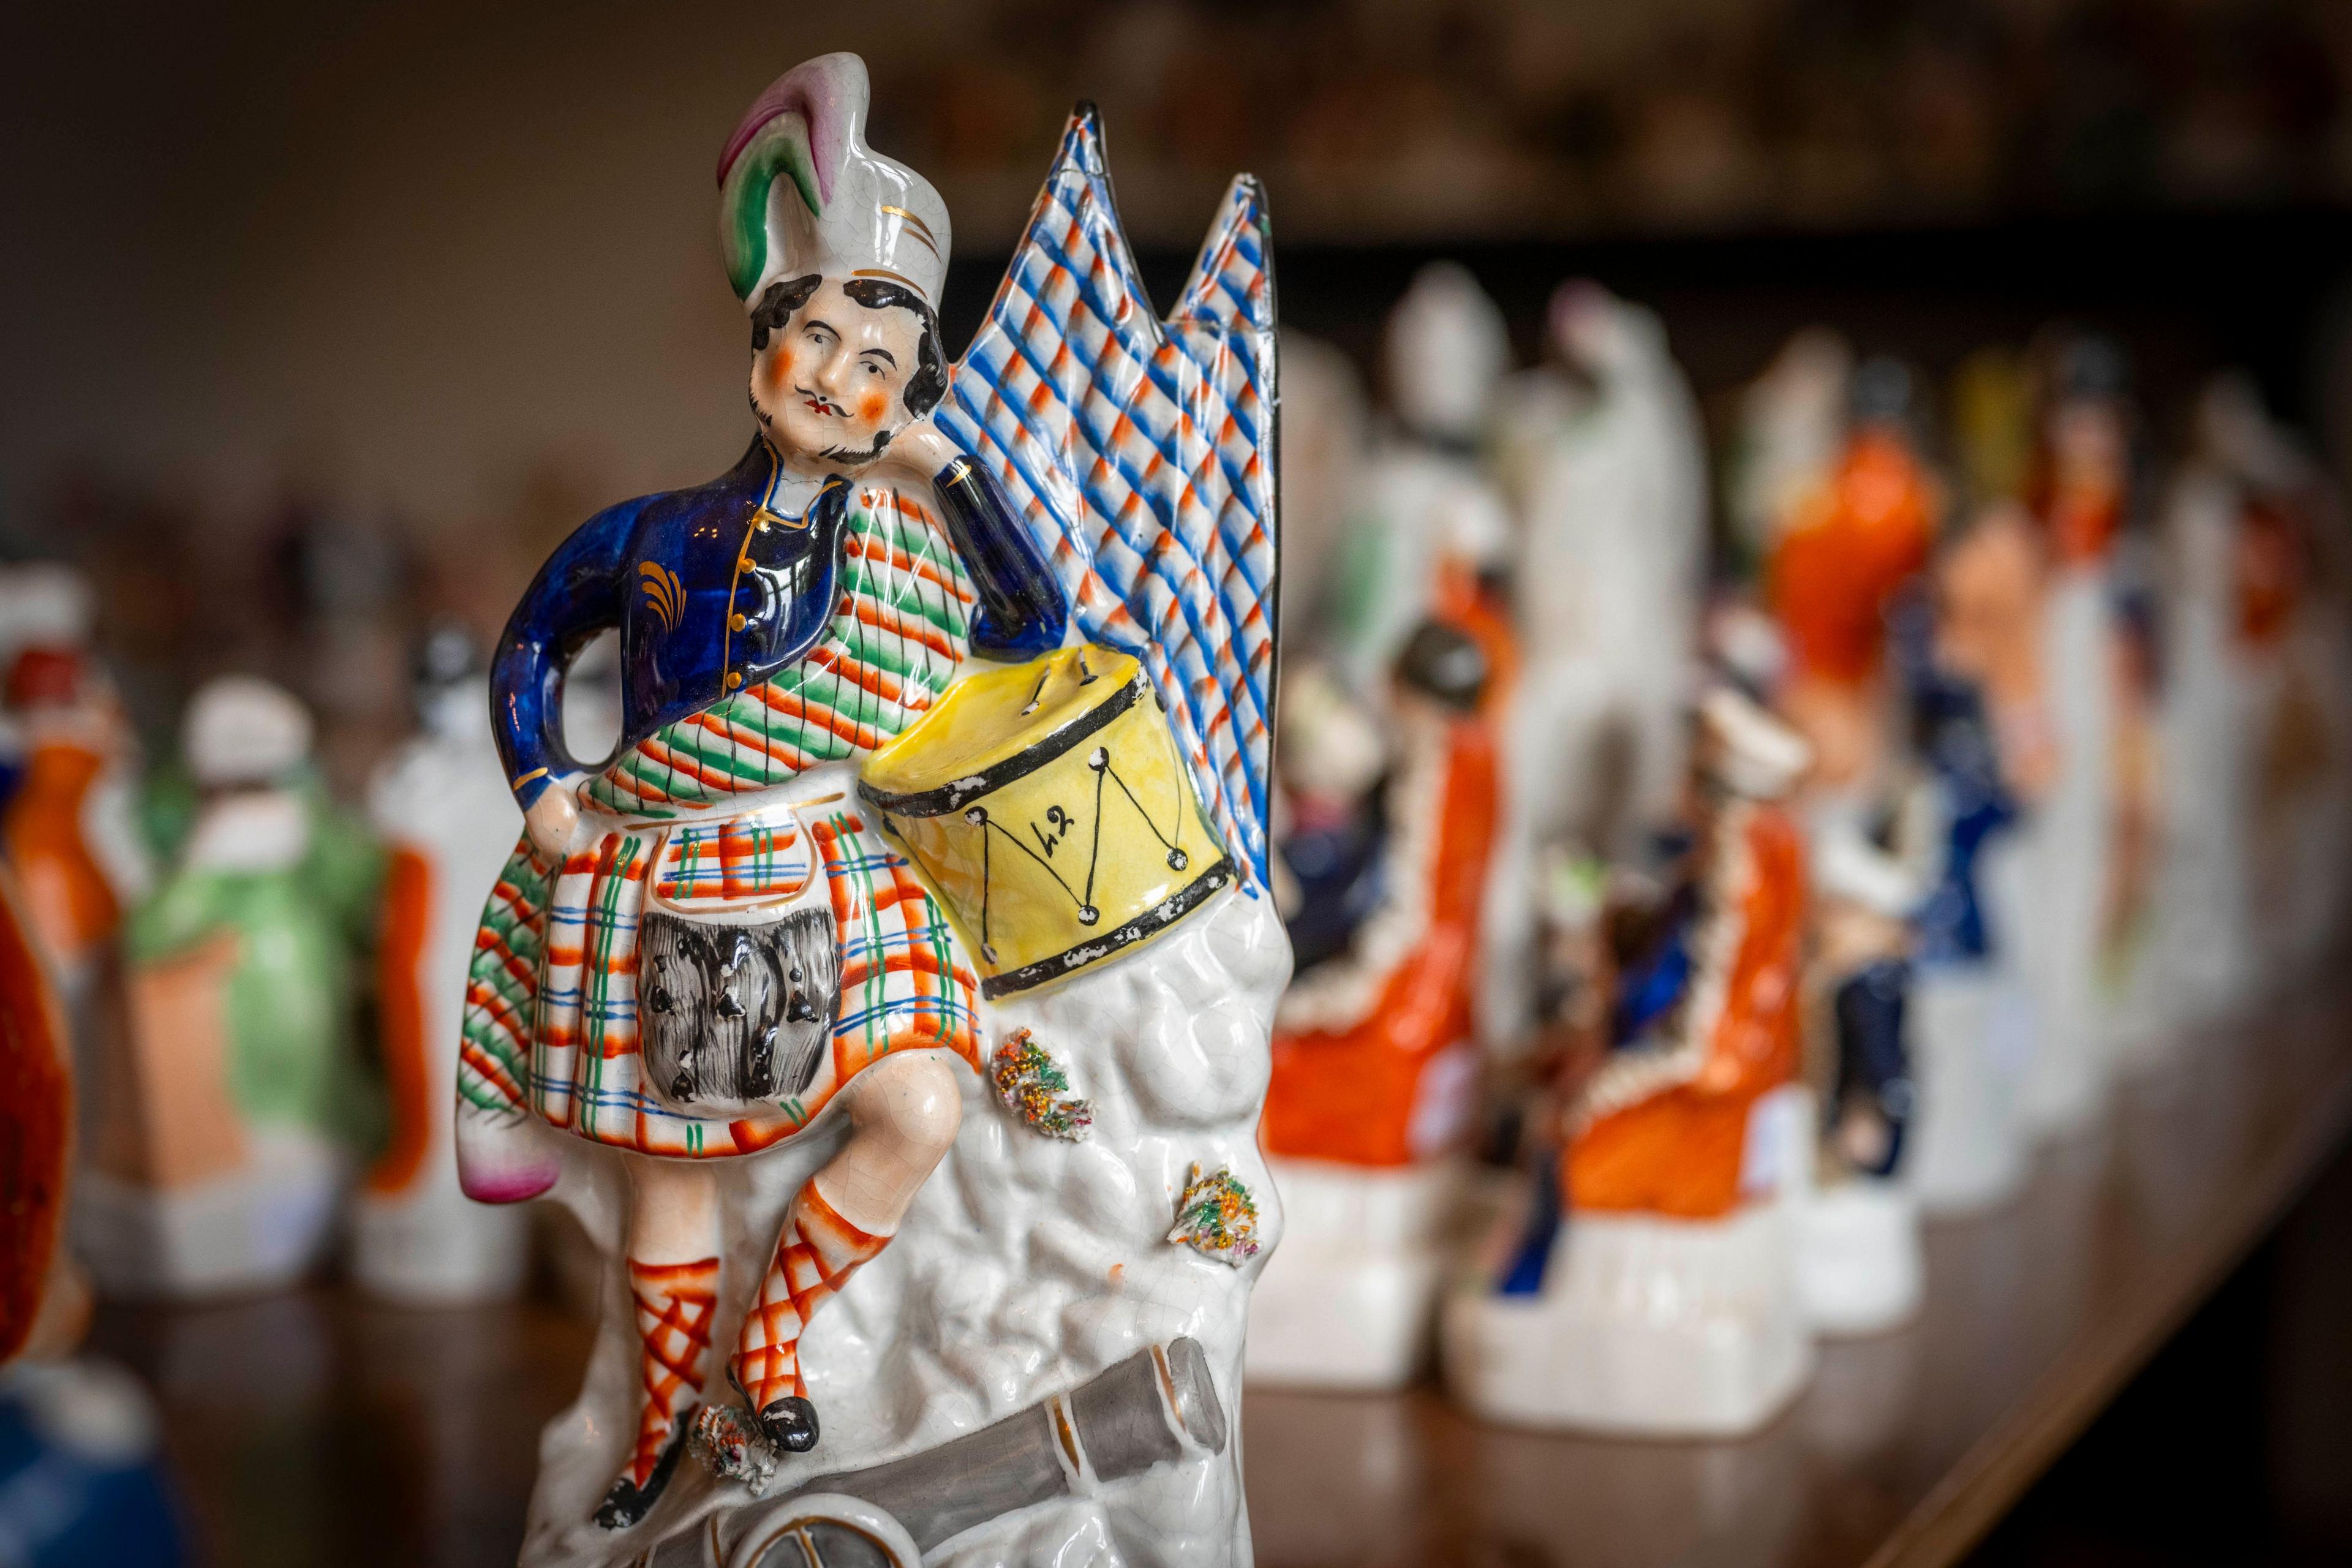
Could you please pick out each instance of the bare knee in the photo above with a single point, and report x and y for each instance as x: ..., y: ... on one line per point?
x: 914, y: 1102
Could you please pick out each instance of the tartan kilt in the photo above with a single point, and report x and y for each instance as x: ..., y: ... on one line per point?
x: 551, y: 1020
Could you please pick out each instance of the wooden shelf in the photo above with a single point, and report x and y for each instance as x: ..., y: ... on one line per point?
x: 317, y: 1429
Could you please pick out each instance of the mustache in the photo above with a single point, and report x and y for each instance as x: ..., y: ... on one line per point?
x: 850, y: 456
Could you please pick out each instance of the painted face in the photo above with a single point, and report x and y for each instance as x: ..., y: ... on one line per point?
x: 830, y: 388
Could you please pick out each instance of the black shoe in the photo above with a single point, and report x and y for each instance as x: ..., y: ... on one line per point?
x: 790, y: 1424
x: 627, y: 1503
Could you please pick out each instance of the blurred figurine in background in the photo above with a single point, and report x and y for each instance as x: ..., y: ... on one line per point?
x: 2255, y: 711
x: 1602, y: 456
x: 1792, y: 426
x: 1970, y: 1030
x: 447, y: 822
x: 2083, y: 877
x: 82, y: 1474
x: 1375, y: 1066
x: 1666, y: 1302
x: 1833, y: 576
x: 1326, y: 437
x: 233, y: 1103
x: 67, y: 826
x: 1422, y: 508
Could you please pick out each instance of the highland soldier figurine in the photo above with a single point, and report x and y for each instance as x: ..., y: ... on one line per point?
x: 838, y: 859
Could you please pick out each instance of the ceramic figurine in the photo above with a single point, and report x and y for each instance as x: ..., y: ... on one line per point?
x: 1422, y: 500
x: 2081, y: 493
x: 81, y: 1480
x: 1666, y: 1302
x: 1375, y: 1066
x: 1792, y: 424
x: 67, y: 826
x: 1834, y: 576
x: 447, y: 824
x: 2215, y: 519
x: 232, y: 1098
x: 2254, y: 724
x: 1325, y: 440
x: 893, y: 1006
x: 1603, y: 461
x: 1969, y: 1019
x: 2288, y: 668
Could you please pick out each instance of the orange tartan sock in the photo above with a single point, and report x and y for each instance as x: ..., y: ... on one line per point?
x: 815, y: 1256
x: 676, y: 1304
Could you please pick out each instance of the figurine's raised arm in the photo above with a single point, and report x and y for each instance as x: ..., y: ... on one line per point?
x: 1023, y: 610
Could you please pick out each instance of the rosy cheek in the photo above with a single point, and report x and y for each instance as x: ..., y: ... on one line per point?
x: 780, y: 371
x: 870, y: 407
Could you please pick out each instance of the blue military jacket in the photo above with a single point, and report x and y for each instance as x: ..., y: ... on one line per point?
x: 711, y: 590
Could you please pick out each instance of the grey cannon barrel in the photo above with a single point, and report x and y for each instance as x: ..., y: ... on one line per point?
x: 1156, y: 1406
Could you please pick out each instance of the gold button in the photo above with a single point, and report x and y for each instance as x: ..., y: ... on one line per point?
x: 734, y: 679
x: 763, y: 525
x: 737, y: 622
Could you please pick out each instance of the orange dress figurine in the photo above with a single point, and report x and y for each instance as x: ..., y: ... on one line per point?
x: 1666, y: 1302
x: 66, y: 829
x: 1833, y: 578
x: 1375, y: 1063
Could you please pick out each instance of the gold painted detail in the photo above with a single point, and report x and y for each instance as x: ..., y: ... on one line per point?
x: 914, y: 226
x: 665, y: 596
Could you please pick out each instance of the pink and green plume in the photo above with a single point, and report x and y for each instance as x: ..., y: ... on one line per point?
x: 800, y: 127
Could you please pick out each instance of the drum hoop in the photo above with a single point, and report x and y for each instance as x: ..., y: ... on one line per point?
x: 945, y: 799
x: 1149, y: 923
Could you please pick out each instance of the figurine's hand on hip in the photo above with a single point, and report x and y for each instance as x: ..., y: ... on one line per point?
x: 551, y: 819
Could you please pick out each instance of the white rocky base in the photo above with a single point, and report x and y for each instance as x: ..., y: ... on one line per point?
x: 1648, y: 1326
x: 1859, y: 1268
x: 1025, y: 1267
x: 1347, y: 1302
x: 438, y: 1250
x: 256, y: 1229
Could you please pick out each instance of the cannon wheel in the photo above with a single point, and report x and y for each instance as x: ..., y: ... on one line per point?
x: 828, y: 1529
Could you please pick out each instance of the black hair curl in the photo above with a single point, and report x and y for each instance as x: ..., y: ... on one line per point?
x: 776, y: 306
x: 929, y: 381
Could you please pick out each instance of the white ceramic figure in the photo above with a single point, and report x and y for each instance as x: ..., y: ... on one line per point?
x: 441, y: 805
x: 892, y: 1007
x: 2258, y: 537
x: 1325, y: 440
x: 1792, y: 422
x: 230, y: 1102
x: 1424, y: 496
x: 1667, y: 1303
x: 2208, y: 941
x: 2070, y: 840
x: 1605, y: 466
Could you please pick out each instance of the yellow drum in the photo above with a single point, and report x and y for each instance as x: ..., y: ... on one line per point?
x: 1048, y: 806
